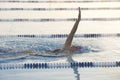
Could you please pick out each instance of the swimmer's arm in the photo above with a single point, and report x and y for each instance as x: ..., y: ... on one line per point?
x: 71, y: 35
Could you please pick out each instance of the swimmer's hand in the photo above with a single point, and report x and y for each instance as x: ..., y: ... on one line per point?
x: 79, y: 15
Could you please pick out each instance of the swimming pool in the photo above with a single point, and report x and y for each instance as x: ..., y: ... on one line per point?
x: 29, y: 27
x: 102, y: 53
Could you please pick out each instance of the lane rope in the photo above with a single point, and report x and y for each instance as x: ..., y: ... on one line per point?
x: 59, y: 65
x: 56, y: 9
x: 94, y: 35
x: 57, y: 19
x: 54, y: 1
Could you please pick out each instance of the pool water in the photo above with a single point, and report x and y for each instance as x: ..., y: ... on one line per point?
x: 16, y: 50
x: 61, y: 74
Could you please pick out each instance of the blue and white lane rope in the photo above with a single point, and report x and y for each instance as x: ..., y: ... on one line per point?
x: 94, y: 35
x: 5, y: 66
x: 56, y: 9
x: 57, y: 19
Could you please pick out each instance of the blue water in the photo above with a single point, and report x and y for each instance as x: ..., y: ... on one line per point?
x: 14, y: 49
x: 61, y: 74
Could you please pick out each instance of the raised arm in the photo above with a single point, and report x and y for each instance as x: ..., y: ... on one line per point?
x: 68, y: 42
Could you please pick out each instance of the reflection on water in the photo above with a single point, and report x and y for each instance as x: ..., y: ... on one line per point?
x: 75, y: 69
x: 61, y: 74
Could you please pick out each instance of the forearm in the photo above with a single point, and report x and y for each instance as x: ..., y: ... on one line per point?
x: 72, y: 33
x: 75, y: 26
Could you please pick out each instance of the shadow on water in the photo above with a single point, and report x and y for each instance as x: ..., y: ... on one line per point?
x: 83, y: 50
x: 75, y: 69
